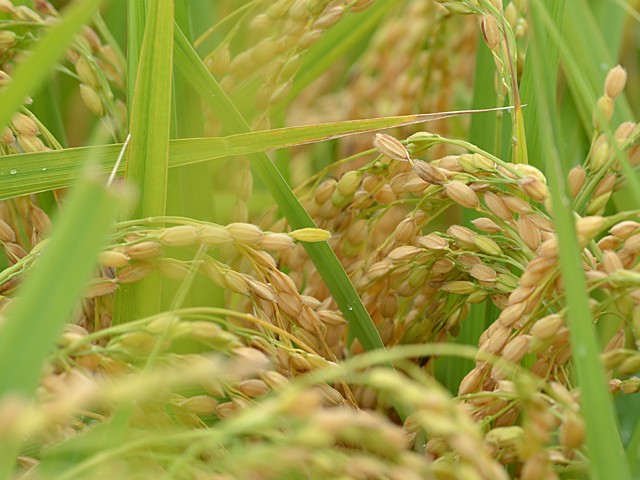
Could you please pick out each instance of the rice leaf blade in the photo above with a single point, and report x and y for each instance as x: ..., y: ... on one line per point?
x: 42, y: 171
x: 148, y: 153
x: 529, y: 90
x: 583, y: 93
x: 31, y: 326
x: 135, y: 31
x: 583, y: 39
x: 607, y: 458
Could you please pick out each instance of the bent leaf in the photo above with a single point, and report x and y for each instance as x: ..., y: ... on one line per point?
x: 24, y: 174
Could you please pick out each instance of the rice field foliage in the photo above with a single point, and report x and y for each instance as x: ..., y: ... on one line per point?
x: 287, y: 244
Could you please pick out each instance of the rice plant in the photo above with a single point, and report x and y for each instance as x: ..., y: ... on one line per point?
x: 319, y: 239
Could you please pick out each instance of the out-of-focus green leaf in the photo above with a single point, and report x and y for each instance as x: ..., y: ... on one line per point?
x: 48, y: 296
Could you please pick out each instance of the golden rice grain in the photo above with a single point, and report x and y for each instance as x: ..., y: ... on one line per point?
x: 143, y: 250
x: 516, y: 348
x: 390, y: 147
x: 496, y: 205
x: 572, y: 431
x: 512, y: 314
x: 576, y: 180
x: 521, y: 294
x: 30, y: 143
x: 462, y: 234
x: 547, y: 327
x: 461, y: 194
x: 226, y: 410
x: 24, y: 125
x: 7, y: 234
x: 615, y: 81
x: 429, y: 173
x: 253, y: 387
x: 497, y: 340
x: 486, y: 225
x: 100, y: 287
x: 602, y: 112
x: 172, y: 268
x: 471, y: 382
x: 487, y: 245
x: 528, y: 232
x: 199, y: 405
x: 134, y: 272
x: 599, y: 154
x: 433, y: 241
x: 611, y: 262
x: 490, y: 31
x: 92, y: 100
x: 310, y: 235
x: 534, y: 188
x: 179, y: 236
x: 483, y: 273
x: 625, y: 229
x: 516, y: 204
x: 632, y: 244
x: 236, y: 282
x: 403, y: 253
x: 244, y: 233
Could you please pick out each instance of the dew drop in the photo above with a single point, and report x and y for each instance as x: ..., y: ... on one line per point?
x: 350, y: 308
x: 13, y: 172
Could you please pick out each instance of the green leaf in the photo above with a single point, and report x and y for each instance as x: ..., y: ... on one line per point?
x: 528, y: 88
x: 147, y: 158
x: 46, y: 109
x: 49, y: 295
x: 633, y: 451
x: 45, y: 302
x: 148, y: 155
x: 24, y: 174
x: 583, y: 40
x: 135, y: 31
x: 580, y: 77
x: 482, y: 131
x: 189, y: 191
x: 606, y: 454
x: 610, y: 18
